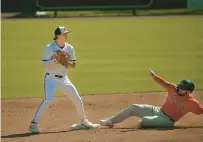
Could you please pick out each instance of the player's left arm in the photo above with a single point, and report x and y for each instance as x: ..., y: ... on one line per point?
x: 160, y: 80
x: 196, y: 107
x: 72, y: 58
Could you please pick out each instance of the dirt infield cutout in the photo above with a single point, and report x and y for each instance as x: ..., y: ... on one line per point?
x: 56, y: 122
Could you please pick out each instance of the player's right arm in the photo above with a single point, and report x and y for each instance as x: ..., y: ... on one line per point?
x: 47, y: 60
x: 160, y: 80
x: 196, y: 107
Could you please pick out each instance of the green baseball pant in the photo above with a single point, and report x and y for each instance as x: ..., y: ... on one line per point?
x: 152, y: 116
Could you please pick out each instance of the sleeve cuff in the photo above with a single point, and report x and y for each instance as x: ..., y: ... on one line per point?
x: 49, y: 61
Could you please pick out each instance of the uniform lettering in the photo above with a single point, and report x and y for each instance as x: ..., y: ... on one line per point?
x: 179, y: 105
x: 172, y: 100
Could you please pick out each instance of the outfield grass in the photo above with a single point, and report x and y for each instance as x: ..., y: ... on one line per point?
x: 113, y: 54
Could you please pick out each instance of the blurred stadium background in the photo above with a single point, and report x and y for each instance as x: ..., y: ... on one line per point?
x: 67, y: 8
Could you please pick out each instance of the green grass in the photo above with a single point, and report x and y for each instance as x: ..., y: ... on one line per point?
x: 113, y: 54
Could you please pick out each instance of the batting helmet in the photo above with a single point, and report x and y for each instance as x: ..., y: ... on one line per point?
x: 186, y: 85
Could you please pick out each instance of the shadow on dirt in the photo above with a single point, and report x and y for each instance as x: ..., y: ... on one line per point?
x: 31, y: 134
x: 122, y: 130
x: 164, y: 129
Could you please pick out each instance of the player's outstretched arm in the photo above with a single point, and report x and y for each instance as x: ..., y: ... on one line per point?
x: 159, y: 79
x: 152, y: 73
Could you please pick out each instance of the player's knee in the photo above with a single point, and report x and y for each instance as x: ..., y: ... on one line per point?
x: 78, y: 99
x: 134, y: 107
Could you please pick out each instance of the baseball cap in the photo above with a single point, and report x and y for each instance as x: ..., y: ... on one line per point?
x: 60, y: 30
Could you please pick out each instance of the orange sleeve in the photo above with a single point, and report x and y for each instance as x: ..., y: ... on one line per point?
x: 163, y: 82
x: 196, y: 107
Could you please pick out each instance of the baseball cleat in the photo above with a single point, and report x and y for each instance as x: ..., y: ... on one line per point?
x: 107, y: 122
x: 90, y: 125
x: 34, y: 128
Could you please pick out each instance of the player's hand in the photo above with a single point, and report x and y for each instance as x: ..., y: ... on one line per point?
x: 152, y: 73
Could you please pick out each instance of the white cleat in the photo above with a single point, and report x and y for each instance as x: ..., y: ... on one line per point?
x: 107, y: 122
x: 90, y: 125
x: 34, y: 128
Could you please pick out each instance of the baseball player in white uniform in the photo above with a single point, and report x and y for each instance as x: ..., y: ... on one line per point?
x: 56, y: 78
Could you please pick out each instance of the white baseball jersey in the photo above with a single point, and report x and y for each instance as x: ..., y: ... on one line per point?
x: 52, y: 82
x: 49, y: 50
